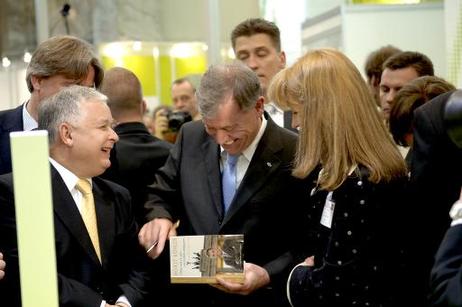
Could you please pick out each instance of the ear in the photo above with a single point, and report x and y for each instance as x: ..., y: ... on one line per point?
x: 143, y: 107
x: 36, y: 82
x: 65, y: 134
x: 260, y: 105
x: 282, y: 59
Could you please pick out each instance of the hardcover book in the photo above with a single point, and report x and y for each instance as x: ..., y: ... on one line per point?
x: 201, y: 259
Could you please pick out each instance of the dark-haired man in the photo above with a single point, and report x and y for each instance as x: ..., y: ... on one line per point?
x: 257, y: 43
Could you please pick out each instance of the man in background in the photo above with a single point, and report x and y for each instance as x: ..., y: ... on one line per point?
x: 56, y: 63
x: 137, y: 155
x: 398, y: 70
x: 257, y: 43
x: 184, y: 97
x: 374, y: 67
x: 99, y: 261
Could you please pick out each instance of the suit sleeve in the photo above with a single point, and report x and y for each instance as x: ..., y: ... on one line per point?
x: 165, y: 194
x: 446, y: 276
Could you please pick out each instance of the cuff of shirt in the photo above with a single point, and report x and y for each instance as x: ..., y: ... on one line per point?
x: 123, y: 299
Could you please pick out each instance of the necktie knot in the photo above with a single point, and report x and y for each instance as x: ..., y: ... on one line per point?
x: 83, y: 186
x: 232, y: 159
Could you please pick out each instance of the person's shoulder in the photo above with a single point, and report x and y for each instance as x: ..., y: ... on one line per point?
x: 110, y: 187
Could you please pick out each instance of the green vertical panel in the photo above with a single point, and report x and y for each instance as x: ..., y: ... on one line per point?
x: 143, y: 67
x: 165, y: 79
x: 34, y: 219
x: 191, y: 65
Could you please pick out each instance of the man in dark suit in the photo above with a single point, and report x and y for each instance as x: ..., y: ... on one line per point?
x: 436, y: 178
x: 137, y: 155
x: 257, y: 43
x: 57, y: 62
x: 446, y: 277
x: 99, y: 261
x: 267, y: 201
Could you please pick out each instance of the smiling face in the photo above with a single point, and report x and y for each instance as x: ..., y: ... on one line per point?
x: 91, y: 140
x: 258, y: 52
x: 232, y: 128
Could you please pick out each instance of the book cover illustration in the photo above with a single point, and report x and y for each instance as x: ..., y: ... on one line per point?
x: 200, y: 259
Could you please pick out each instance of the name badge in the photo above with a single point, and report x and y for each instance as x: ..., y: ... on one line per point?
x: 328, y: 211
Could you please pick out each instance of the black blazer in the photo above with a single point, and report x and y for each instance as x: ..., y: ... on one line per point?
x: 10, y: 120
x: 266, y: 207
x: 446, y: 276
x: 82, y: 280
x: 134, y: 160
x: 436, y: 178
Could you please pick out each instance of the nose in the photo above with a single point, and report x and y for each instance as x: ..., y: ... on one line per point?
x: 252, y: 62
x: 222, y: 137
x: 113, y: 136
x: 390, y: 96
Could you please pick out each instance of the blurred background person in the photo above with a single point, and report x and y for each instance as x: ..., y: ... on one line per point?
x: 353, y: 256
x: 374, y: 67
x: 137, y: 155
x: 57, y: 62
x: 184, y: 97
x: 411, y: 96
x: 398, y: 70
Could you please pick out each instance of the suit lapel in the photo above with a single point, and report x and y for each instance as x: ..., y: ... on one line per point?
x: 66, y: 210
x: 211, y: 152
x: 105, y: 219
x: 264, y: 162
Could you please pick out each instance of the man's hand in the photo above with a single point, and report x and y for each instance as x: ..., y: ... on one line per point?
x: 2, y: 266
x: 160, y: 124
x: 309, y: 261
x: 255, y: 278
x: 153, y: 235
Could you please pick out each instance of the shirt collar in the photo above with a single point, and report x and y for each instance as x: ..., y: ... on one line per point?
x: 29, y: 122
x: 69, y: 178
x: 250, y: 150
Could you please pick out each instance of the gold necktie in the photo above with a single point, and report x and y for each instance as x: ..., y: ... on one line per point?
x: 88, y: 213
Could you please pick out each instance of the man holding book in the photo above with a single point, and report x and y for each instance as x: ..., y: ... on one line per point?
x: 231, y: 174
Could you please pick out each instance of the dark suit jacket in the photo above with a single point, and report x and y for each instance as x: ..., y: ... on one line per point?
x: 436, y: 178
x: 266, y: 207
x: 134, y: 160
x: 446, y: 277
x: 82, y: 280
x: 10, y: 120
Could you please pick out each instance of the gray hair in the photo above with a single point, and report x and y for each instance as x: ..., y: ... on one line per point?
x: 64, y: 107
x: 224, y: 80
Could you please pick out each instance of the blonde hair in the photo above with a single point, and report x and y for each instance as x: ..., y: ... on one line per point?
x: 340, y: 124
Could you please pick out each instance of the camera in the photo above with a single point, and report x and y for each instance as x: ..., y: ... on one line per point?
x: 177, y: 119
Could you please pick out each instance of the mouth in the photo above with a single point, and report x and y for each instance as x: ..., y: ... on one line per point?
x: 106, y: 149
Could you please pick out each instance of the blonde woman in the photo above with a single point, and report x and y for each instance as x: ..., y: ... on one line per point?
x: 355, y: 239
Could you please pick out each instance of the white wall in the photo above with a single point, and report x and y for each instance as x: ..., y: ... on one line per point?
x: 13, y: 87
x: 409, y: 27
